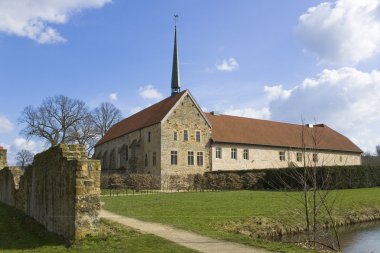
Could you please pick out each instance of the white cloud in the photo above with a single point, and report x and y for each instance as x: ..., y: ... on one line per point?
x: 149, y: 92
x: 276, y: 92
x: 228, y: 65
x: 5, y: 124
x: 344, y: 32
x: 20, y: 143
x: 32, y: 19
x: 249, y: 112
x: 346, y: 99
x: 113, y: 96
x: 135, y: 109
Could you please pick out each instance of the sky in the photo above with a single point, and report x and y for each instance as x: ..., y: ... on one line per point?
x: 290, y: 60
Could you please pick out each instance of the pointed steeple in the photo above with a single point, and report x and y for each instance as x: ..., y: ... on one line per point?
x: 176, y: 85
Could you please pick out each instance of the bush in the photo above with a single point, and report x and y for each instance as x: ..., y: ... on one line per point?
x: 334, y: 177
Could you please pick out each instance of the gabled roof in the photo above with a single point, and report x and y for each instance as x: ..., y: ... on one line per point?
x: 232, y: 129
x: 147, y: 117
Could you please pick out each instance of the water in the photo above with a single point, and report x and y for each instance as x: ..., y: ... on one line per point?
x: 363, y: 238
x: 360, y: 238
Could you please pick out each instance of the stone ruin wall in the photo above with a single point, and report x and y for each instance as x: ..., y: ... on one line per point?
x: 60, y: 190
x: 3, y: 158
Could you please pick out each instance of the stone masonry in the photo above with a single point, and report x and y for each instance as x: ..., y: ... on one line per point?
x: 60, y: 190
x: 185, y: 116
x: 3, y: 158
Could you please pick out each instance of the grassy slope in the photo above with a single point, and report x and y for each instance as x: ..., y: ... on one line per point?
x: 19, y: 233
x: 222, y: 214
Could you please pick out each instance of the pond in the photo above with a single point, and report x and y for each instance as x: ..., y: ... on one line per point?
x: 359, y: 238
x: 364, y: 238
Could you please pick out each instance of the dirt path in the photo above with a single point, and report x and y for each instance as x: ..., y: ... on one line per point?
x: 185, y: 238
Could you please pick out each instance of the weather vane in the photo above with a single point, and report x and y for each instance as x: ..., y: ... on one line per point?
x: 176, y: 17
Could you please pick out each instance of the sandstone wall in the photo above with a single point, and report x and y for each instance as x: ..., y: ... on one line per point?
x: 261, y: 157
x: 9, y: 183
x: 61, y: 190
x: 3, y: 158
x: 185, y: 116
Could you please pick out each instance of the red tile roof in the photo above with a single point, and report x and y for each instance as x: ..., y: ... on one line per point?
x: 147, y: 117
x: 233, y: 129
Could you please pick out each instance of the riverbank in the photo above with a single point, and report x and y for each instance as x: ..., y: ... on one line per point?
x: 246, y: 216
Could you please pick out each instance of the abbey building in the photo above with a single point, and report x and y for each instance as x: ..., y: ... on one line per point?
x: 174, y: 136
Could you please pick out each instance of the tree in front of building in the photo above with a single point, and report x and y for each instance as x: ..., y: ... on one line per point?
x: 104, y: 117
x: 61, y: 119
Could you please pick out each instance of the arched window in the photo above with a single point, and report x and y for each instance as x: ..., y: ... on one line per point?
x: 146, y: 160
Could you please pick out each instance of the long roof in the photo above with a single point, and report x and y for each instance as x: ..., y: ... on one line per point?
x: 147, y: 117
x: 233, y: 129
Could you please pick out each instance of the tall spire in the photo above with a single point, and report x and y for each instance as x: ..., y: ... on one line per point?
x: 176, y: 85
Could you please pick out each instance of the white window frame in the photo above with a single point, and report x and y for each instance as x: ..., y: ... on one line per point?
x: 246, y: 154
x: 218, y: 150
x: 200, y: 158
x: 190, y: 158
x: 234, y: 153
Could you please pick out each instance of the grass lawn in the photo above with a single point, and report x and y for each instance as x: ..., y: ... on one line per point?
x: 237, y: 215
x: 19, y: 233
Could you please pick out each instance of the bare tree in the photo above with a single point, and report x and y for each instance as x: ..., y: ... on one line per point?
x: 24, y: 157
x: 54, y: 119
x: 316, y: 199
x: 83, y: 132
x: 378, y: 150
x: 105, y: 116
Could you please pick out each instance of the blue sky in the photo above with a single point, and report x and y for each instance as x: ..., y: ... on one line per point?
x: 266, y: 59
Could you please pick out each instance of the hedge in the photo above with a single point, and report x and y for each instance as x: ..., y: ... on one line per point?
x: 340, y: 177
x: 334, y: 177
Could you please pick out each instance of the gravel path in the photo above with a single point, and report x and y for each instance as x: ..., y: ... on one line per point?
x: 185, y: 238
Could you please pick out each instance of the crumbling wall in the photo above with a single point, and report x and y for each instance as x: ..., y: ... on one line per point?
x: 3, y: 158
x: 9, y: 183
x: 61, y: 190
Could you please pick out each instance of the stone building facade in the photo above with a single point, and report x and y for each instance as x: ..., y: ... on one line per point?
x: 180, y: 139
x: 175, y: 137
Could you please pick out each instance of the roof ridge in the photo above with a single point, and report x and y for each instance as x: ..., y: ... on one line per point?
x: 267, y: 120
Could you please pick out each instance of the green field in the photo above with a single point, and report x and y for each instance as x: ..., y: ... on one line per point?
x: 19, y: 233
x: 240, y: 215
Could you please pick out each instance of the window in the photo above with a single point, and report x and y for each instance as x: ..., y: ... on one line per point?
x: 282, y: 155
x: 200, y: 158
x: 146, y: 160
x: 173, y: 158
x: 246, y: 154
x: 340, y: 158
x: 175, y: 135
x: 233, y: 153
x: 126, y: 153
x: 218, y: 152
x: 154, y: 159
x: 148, y: 136
x: 315, y: 157
x: 185, y: 135
x: 190, y: 158
x: 198, y: 136
x: 299, y: 157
